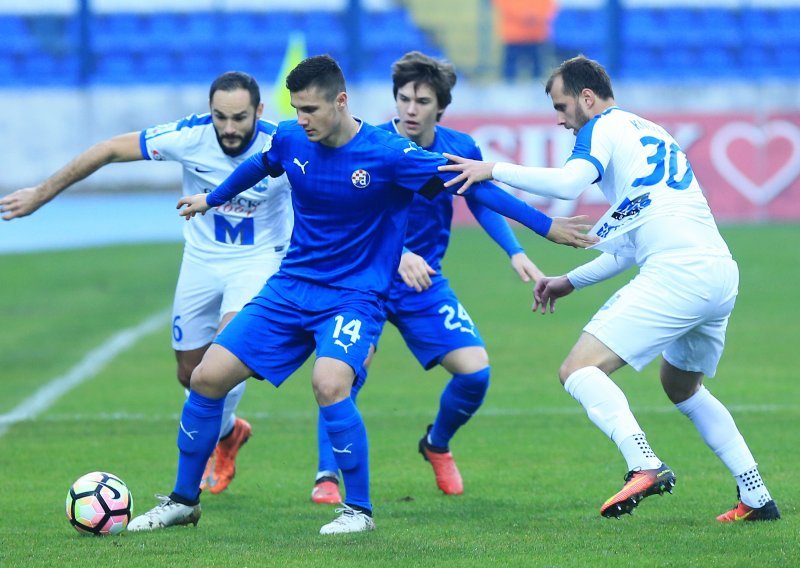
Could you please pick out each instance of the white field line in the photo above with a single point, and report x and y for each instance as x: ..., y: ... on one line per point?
x: 88, y: 367
x: 310, y: 414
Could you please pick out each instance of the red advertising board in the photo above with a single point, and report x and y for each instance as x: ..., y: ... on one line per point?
x: 747, y: 164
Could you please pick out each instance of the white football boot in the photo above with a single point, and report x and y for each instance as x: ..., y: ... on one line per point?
x: 168, y: 513
x: 349, y: 521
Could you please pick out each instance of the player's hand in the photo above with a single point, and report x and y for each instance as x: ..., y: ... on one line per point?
x: 571, y: 231
x: 525, y: 268
x: 21, y: 203
x: 195, y: 204
x: 548, y: 290
x: 415, y: 272
x: 470, y: 171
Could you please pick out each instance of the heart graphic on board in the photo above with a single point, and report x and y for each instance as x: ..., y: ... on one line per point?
x: 758, y: 137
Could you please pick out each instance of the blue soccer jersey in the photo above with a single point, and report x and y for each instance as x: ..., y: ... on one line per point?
x: 429, y: 220
x: 351, y: 202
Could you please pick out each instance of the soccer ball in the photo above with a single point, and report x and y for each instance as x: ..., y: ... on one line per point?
x: 99, y: 503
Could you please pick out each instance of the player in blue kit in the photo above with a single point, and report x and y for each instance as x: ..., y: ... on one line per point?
x: 227, y: 255
x: 422, y: 305
x: 351, y: 187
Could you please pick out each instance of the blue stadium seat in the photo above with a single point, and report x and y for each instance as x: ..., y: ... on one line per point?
x: 717, y: 62
x: 47, y: 69
x: 581, y: 30
x: 9, y: 74
x: 166, y: 30
x: 721, y: 27
x: 760, y: 27
x: 642, y: 28
x: 117, y: 69
x: 15, y: 34
x: 640, y: 63
x: 678, y: 63
x: 120, y: 32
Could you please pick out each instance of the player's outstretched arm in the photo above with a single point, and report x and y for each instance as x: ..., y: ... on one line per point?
x: 245, y: 176
x: 415, y: 271
x: 469, y: 171
x: 571, y: 231
x: 548, y: 290
x: 525, y: 268
x: 23, y: 202
x: 195, y: 204
x: 567, y: 182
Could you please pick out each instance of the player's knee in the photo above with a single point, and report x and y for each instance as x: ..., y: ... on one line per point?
x: 466, y: 360
x: 202, y: 382
x: 329, y: 392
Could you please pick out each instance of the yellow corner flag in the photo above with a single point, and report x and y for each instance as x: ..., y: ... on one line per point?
x: 295, y: 53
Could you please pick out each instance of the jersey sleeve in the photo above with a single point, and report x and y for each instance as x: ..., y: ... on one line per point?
x: 418, y: 171
x: 270, y: 155
x: 167, y: 141
x: 594, y: 144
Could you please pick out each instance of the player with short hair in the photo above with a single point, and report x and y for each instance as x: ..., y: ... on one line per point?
x: 229, y: 254
x: 677, y: 305
x: 422, y: 305
x: 351, y: 187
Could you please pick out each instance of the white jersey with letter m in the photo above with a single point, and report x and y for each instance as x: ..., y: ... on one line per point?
x: 255, y: 221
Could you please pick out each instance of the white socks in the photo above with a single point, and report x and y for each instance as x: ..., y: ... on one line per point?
x: 608, y: 409
x: 719, y: 431
x: 231, y: 402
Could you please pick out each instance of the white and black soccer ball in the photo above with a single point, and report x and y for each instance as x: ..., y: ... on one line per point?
x: 99, y: 503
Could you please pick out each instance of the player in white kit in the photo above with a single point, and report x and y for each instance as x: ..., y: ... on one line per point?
x: 229, y: 253
x: 678, y: 304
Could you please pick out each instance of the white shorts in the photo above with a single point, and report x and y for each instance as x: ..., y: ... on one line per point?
x: 676, y: 306
x: 208, y: 290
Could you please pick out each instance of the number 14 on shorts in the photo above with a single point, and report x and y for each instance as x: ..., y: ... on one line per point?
x: 350, y: 329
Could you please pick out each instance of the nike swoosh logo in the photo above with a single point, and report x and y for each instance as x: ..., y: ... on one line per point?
x: 743, y: 517
x: 202, y: 171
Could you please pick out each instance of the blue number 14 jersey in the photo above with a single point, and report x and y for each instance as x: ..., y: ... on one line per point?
x: 351, y: 203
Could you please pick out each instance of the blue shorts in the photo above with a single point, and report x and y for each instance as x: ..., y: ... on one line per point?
x: 433, y: 322
x: 276, y: 332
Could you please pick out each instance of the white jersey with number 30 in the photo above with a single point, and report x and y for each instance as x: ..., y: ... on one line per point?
x: 656, y: 202
x: 256, y: 221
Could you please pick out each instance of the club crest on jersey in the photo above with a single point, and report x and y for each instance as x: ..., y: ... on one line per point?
x: 360, y: 178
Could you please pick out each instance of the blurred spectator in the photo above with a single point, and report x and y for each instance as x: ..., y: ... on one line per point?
x: 525, y: 29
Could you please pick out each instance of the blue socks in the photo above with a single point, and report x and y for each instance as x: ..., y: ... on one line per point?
x: 460, y: 399
x: 348, y: 442
x: 327, y: 461
x: 197, y: 436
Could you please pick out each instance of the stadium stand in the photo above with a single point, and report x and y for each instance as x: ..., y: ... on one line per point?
x: 691, y: 41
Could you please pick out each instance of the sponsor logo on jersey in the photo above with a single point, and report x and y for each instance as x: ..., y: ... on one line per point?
x: 630, y: 208
x: 157, y: 155
x: 360, y: 178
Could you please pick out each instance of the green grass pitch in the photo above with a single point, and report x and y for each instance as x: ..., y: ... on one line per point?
x: 535, y: 469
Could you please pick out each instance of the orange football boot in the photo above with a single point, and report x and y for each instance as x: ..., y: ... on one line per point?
x: 639, y: 484
x: 448, y: 478
x: 219, y: 475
